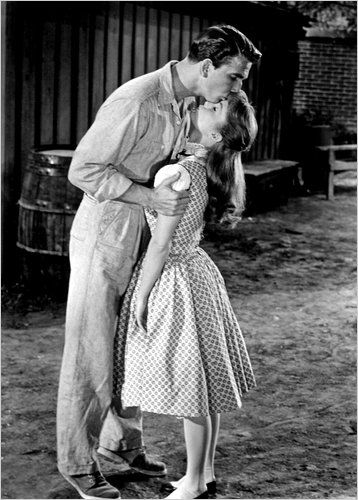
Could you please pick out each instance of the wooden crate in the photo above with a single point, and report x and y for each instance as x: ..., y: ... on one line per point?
x: 269, y: 183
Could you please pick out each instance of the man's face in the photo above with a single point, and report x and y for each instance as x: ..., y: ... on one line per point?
x: 227, y: 78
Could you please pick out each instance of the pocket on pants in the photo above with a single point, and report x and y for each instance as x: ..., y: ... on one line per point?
x: 117, y: 226
x: 80, y: 225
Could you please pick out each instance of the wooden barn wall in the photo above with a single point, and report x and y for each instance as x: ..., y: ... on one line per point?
x: 62, y: 59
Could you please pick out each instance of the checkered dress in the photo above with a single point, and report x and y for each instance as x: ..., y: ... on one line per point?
x: 192, y: 360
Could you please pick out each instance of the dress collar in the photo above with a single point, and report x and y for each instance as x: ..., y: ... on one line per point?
x: 198, y: 150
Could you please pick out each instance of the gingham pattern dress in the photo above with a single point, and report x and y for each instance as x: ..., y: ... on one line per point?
x: 192, y: 360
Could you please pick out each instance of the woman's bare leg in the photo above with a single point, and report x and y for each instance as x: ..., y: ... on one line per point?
x: 197, y: 432
x: 209, y: 472
x: 210, y: 457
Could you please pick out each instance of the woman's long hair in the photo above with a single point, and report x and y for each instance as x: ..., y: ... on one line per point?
x: 226, y: 180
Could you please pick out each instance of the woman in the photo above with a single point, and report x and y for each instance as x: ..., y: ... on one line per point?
x: 184, y: 354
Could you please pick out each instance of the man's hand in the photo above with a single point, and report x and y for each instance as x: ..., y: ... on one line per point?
x: 167, y: 201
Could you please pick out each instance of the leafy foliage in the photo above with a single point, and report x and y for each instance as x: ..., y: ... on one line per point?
x: 338, y: 17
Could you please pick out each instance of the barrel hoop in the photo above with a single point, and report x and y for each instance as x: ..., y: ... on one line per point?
x: 45, y: 159
x: 46, y: 207
x: 49, y: 171
x: 44, y: 252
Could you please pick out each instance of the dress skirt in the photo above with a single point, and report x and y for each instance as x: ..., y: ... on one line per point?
x: 192, y: 359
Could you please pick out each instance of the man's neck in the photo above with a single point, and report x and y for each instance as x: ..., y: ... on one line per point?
x: 184, y: 80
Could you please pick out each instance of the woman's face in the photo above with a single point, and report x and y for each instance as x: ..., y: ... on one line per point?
x: 209, y: 118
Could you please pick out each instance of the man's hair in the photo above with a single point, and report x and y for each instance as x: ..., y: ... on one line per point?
x: 220, y: 43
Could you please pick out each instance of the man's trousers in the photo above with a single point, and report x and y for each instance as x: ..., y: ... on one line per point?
x: 106, y: 240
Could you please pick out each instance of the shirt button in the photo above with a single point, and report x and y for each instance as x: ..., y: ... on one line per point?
x: 178, y: 122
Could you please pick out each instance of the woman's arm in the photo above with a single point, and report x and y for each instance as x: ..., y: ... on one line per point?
x: 157, y: 253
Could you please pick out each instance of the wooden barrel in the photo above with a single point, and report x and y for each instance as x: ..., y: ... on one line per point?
x: 48, y: 202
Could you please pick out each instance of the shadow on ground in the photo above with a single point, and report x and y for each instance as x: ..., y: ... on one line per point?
x: 290, y: 274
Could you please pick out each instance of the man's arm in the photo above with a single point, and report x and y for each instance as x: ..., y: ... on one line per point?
x: 163, y: 199
x: 109, y: 141
x: 94, y: 168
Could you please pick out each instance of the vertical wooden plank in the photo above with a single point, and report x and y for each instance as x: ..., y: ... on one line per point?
x: 127, y: 46
x: 278, y: 128
x: 258, y: 101
x: 146, y: 37
x: 90, y: 54
x: 105, y: 47
x: 112, y: 48
x: 47, y: 88
x: 270, y: 126
x: 64, y: 96
x: 56, y: 73
x: 195, y: 28
x: 139, y: 42
x: 98, y: 70
x: 186, y: 36
x: 163, y: 38
x: 152, y: 40
x: 28, y: 91
x: 74, y: 76
x: 204, y: 23
x: 175, y: 37
x: 258, y: 105
x: 260, y: 116
x: 274, y: 120
x: 83, y: 77
x: 120, y: 42
x: 266, y: 127
x: 37, y: 23
x: 10, y: 170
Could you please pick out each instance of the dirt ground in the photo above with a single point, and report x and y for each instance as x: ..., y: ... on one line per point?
x: 290, y: 273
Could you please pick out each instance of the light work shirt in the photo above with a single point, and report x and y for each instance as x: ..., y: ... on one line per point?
x: 137, y: 130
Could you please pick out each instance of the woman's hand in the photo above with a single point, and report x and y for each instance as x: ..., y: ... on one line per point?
x: 141, y: 313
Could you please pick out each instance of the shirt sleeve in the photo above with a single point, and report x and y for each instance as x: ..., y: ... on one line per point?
x: 96, y: 163
x: 168, y: 171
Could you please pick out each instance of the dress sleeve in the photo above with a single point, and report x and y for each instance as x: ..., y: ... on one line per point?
x: 181, y: 184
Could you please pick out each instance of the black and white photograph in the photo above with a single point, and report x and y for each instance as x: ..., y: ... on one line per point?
x: 179, y: 244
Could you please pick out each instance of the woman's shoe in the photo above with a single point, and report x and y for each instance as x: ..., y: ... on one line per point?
x: 211, y: 487
x: 187, y: 495
x: 204, y: 495
x: 171, y: 486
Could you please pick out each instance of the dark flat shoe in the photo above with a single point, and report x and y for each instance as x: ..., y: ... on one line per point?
x: 211, y: 487
x: 168, y: 488
x: 204, y: 495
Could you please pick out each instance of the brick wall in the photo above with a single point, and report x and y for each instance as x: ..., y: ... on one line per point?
x: 327, y: 80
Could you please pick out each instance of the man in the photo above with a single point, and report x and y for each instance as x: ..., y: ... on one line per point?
x: 137, y: 130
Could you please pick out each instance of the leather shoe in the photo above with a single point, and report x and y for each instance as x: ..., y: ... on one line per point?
x: 140, y: 463
x: 92, y: 486
x: 187, y: 494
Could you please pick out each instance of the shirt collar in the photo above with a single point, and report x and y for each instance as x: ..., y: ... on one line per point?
x: 166, y: 91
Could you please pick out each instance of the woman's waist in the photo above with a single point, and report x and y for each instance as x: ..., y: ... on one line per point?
x: 185, y: 255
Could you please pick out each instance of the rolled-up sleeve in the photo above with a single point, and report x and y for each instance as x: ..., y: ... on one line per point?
x: 97, y: 160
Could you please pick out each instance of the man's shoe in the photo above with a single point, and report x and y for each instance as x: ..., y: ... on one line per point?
x: 148, y: 466
x: 92, y: 486
x: 140, y: 463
